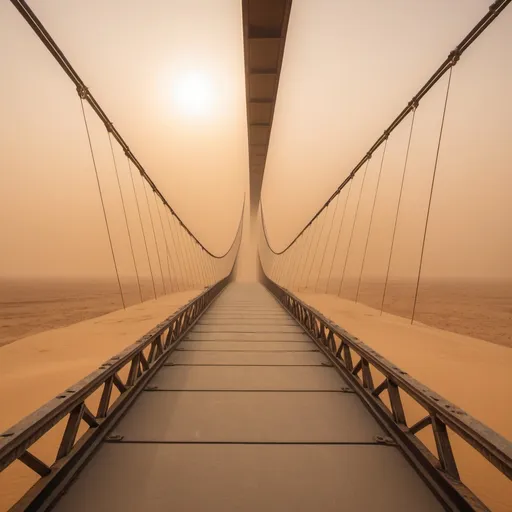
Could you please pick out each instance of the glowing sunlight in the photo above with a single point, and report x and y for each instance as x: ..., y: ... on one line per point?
x: 193, y: 94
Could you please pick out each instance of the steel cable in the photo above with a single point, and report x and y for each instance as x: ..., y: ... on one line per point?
x: 41, y: 32
x: 371, y: 217
x: 102, y: 203
x: 165, y: 241
x: 495, y: 9
x: 353, y: 227
x: 142, y: 228
x: 125, y: 216
x: 431, y: 195
x: 316, y: 248
x: 154, y: 235
x: 176, y: 252
x: 398, y: 209
x: 338, y: 237
x: 327, y: 241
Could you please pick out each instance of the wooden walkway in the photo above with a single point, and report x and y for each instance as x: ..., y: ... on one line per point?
x: 247, y: 415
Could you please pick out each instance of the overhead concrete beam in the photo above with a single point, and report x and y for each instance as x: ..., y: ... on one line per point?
x: 265, y: 25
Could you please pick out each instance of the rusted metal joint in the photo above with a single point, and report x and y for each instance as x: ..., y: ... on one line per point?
x: 82, y: 91
x: 494, y: 6
x: 414, y: 103
x: 114, y: 438
x: 454, y: 56
x: 384, y: 440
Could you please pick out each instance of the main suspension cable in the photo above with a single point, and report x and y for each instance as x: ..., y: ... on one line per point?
x: 494, y: 10
x: 41, y: 32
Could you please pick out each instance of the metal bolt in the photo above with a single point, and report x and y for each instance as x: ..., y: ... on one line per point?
x: 115, y: 438
x: 384, y: 440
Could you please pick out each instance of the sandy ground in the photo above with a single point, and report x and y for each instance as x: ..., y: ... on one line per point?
x: 35, y: 369
x: 470, y: 372
x: 29, y: 306
x: 474, y: 374
x: 472, y: 307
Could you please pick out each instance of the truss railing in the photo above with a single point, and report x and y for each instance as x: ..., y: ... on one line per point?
x: 340, y: 250
x: 96, y: 402
x: 382, y: 386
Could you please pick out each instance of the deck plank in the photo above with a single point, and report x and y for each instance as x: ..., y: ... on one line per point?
x: 248, y: 415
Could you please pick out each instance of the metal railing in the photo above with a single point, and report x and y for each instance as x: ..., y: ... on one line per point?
x: 126, y: 373
x: 361, y: 366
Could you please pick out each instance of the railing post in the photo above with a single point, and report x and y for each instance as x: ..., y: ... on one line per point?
x: 444, y: 447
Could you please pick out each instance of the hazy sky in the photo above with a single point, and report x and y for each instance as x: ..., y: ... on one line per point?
x: 133, y: 55
x: 348, y: 69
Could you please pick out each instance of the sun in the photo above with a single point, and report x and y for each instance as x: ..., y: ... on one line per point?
x: 192, y: 94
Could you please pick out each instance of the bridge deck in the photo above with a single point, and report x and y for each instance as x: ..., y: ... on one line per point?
x: 247, y: 415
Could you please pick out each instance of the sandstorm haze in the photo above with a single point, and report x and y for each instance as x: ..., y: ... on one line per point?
x: 136, y: 59
x: 171, y: 76
x: 348, y: 69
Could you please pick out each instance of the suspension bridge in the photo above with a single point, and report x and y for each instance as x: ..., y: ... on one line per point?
x: 247, y: 398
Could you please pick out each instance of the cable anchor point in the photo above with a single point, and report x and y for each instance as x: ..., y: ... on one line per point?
x: 494, y: 6
x: 82, y: 91
x: 414, y: 103
x: 109, y: 126
x: 454, y: 56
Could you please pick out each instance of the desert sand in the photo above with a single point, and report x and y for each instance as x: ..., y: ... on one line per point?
x: 32, y: 305
x: 472, y: 373
x: 35, y: 369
